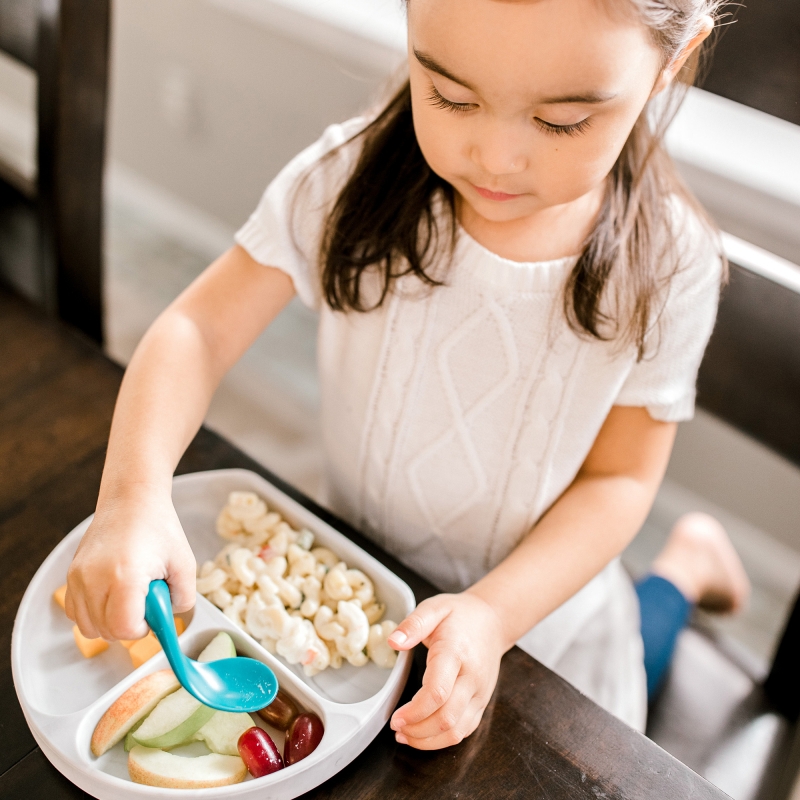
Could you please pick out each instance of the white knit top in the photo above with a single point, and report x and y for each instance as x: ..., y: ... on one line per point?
x: 453, y: 417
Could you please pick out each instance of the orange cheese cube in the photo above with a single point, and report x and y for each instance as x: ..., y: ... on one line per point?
x: 144, y: 649
x: 89, y: 647
x: 128, y: 643
x: 60, y: 596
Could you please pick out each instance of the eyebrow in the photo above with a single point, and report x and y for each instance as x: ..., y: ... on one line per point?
x: 589, y: 98
x: 434, y: 66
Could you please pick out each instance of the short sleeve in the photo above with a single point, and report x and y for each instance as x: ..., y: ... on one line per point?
x: 664, y: 381
x: 285, y: 230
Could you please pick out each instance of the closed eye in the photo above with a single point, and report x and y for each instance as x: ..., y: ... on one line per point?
x: 575, y: 129
x: 436, y: 99
x: 439, y: 101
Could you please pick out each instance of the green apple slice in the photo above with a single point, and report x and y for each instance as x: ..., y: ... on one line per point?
x: 173, y: 721
x: 221, y: 733
x: 221, y: 646
x: 129, y: 740
x: 154, y: 767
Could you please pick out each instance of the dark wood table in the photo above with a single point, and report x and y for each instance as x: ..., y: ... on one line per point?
x: 539, y: 738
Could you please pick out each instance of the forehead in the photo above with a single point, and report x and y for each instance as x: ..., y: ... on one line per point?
x: 534, y: 47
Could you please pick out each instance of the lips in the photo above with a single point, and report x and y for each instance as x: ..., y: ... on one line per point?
x: 498, y: 196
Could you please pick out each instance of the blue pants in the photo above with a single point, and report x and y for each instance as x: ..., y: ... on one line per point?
x: 665, y: 613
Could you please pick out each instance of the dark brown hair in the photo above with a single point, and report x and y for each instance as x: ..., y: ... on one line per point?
x: 384, y: 217
x: 384, y: 220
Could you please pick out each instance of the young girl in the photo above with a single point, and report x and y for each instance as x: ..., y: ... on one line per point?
x: 515, y: 292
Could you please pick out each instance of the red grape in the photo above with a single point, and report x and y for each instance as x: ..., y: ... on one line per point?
x: 280, y: 712
x: 259, y: 752
x: 303, y: 737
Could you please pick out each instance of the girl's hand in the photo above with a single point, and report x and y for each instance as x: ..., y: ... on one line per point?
x: 465, y: 642
x: 129, y: 543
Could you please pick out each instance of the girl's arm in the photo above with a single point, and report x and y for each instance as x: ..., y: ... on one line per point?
x: 135, y: 536
x: 589, y: 525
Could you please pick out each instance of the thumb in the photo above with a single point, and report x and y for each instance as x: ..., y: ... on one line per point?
x: 420, y: 623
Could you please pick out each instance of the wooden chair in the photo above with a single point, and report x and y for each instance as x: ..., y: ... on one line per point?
x: 51, y: 228
x: 719, y: 713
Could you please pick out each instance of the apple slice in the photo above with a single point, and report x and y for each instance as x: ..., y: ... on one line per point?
x: 154, y: 767
x: 221, y: 733
x: 221, y: 646
x: 131, y: 706
x: 129, y: 740
x: 173, y: 721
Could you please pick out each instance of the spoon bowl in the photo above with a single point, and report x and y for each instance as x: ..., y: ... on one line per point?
x: 230, y: 684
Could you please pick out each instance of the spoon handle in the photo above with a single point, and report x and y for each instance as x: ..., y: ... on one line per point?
x: 158, y: 615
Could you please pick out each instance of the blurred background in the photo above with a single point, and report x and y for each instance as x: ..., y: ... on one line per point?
x: 210, y: 98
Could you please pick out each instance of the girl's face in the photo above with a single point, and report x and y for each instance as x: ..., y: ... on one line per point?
x: 523, y: 105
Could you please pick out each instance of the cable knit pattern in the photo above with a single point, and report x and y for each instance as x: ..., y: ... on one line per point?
x: 453, y: 417
x: 463, y: 411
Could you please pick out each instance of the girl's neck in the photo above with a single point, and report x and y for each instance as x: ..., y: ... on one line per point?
x: 551, y: 233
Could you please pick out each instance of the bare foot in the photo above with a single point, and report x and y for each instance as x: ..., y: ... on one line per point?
x: 701, y: 562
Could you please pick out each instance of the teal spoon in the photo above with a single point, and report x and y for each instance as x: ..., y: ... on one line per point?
x: 230, y: 684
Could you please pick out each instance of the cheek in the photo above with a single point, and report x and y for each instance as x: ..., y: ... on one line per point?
x: 571, y: 170
x: 566, y: 170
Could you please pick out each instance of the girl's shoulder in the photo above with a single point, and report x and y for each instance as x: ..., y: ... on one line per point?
x: 326, y: 164
x: 286, y: 228
x: 694, y: 240
x: 341, y: 138
x: 695, y: 268
x: 692, y: 264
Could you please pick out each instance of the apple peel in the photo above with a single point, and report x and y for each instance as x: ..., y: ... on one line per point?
x: 132, y: 705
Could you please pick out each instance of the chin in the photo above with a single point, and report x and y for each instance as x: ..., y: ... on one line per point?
x: 501, y: 212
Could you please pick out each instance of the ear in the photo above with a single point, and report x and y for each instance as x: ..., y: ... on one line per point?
x: 674, y: 67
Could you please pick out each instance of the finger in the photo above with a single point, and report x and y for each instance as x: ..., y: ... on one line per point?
x: 74, y: 591
x: 437, y: 685
x: 449, y: 717
x: 454, y: 736
x: 182, y: 580
x: 124, y: 612
x: 69, y: 605
x: 419, y: 624
x: 95, y: 600
x: 83, y: 619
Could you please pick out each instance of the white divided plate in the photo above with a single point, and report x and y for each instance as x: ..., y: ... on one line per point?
x: 63, y: 695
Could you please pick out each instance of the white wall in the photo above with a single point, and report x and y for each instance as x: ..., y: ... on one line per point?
x: 210, y: 99
x: 17, y: 118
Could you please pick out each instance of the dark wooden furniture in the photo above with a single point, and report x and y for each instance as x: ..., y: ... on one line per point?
x: 540, y: 738
x: 51, y: 228
x: 750, y: 376
x: 757, y: 57
x: 715, y: 700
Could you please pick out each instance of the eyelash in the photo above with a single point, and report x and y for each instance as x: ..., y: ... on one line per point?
x: 437, y: 101
x: 577, y: 128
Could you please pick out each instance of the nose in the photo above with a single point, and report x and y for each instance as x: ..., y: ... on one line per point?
x: 499, y: 150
